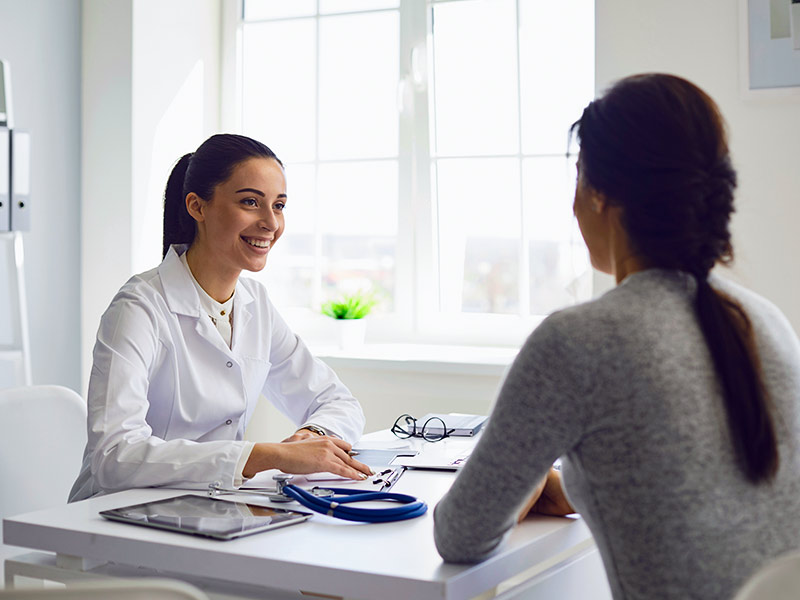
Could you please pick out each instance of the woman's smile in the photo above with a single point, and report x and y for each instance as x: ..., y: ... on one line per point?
x: 261, y: 245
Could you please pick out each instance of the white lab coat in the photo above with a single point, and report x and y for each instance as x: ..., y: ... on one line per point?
x: 169, y: 401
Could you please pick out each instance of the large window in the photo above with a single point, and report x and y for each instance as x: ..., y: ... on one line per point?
x: 425, y: 145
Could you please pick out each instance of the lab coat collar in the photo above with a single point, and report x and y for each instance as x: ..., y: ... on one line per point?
x: 181, y: 295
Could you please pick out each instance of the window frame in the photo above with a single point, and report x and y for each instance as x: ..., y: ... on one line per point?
x: 417, y: 317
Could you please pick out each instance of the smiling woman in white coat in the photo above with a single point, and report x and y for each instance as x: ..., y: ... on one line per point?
x: 185, y: 350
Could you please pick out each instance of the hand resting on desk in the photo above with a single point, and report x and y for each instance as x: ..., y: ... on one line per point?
x: 548, y: 498
x: 311, y: 455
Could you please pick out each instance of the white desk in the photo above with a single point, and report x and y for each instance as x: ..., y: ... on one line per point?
x: 324, y: 556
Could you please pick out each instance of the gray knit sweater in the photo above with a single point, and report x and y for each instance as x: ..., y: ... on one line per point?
x: 624, y: 390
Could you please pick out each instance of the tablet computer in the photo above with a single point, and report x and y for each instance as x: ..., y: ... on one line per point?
x: 208, y: 517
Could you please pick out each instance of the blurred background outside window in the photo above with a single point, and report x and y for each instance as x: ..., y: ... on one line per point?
x: 426, y: 152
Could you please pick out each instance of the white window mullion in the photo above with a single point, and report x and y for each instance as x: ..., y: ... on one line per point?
x: 405, y: 284
x: 230, y: 106
x: 425, y: 257
x: 316, y: 290
x: 524, y: 253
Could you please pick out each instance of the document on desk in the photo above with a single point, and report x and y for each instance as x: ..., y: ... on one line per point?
x: 378, y: 459
x: 263, y: 482
x: 382, y: 481
x: 440, y: 458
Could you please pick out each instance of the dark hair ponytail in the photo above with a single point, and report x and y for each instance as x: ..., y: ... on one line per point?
x: 728, y: 333
x: 200, y: 172
x: 655, y: 145
x: 179, y: 226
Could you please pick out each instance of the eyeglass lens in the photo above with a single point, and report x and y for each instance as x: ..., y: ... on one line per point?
x: 434, y: 430
x: 405, y: 426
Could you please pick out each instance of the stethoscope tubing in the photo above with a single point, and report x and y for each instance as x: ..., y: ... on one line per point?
x: 336, y: 506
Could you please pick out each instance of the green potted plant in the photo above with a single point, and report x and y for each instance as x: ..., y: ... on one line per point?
x: 349, y: 311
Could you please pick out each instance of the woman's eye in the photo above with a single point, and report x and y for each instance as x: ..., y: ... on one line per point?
x: 280, y: 206
x: 250, y: 202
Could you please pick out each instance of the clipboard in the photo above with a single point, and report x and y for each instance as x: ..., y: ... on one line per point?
x: 445, y: 458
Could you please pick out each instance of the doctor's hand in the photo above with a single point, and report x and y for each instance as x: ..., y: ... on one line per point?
x: 548, y: 498
x: 313, y: 455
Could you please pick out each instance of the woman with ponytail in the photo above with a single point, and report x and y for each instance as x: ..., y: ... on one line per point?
x: 185, y: 350
x: 672, y: 400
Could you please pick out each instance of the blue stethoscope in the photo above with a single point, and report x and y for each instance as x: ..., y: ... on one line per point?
x: 334, y: 501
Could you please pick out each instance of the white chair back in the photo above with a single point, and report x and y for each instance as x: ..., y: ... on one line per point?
x: 777, y: 580
x: 116, y: 589
x: 42, y: 438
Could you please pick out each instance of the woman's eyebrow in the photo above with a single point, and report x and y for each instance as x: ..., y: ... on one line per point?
x: 259, y: 192
x: 253, y: 190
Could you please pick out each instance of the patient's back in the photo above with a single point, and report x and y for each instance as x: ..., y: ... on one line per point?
x: 655, y: 473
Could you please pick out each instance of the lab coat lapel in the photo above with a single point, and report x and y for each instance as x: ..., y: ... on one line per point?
x: 179, y: 290
x: 242, y: 305
x: 207, y: 330
x: 182, y: 298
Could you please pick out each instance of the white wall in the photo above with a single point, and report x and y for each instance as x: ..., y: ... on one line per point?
x: 150, y: 94
x: 105, y: 161
x: 41, y: 40
x: 700, y: 41
x: 176, y: 75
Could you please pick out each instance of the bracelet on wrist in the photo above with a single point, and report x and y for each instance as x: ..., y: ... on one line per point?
x: 314, y: 429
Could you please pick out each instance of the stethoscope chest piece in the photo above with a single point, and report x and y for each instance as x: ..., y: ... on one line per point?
x: 281, y: 481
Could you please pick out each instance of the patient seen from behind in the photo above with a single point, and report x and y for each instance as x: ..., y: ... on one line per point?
x: 673, y: 398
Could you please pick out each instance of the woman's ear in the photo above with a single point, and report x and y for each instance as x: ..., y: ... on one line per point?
x: 194, y: 206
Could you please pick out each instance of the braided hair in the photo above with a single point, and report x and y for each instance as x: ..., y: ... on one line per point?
x: 656, y: 146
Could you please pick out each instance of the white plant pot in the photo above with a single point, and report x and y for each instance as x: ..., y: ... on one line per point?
x: 351, y: 333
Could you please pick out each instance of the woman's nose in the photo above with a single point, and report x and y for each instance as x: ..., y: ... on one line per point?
x: 269, y: 221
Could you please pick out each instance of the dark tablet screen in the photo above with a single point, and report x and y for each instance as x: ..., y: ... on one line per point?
x: 210, y: 517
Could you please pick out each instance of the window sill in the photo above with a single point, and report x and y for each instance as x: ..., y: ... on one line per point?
x: 420, y: 358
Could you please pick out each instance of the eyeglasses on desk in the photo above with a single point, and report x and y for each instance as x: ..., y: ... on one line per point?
x: 432, y: 430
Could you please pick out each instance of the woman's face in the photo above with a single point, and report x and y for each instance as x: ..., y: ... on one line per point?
x: 243, y: 220
x: 590, y: 210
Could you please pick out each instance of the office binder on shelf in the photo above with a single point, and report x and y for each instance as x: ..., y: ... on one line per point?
x: 6, y: 113
x: 20, y: 180
x: 5, y: 179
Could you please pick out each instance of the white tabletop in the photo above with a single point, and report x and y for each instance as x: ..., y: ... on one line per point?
x: 323, y: 555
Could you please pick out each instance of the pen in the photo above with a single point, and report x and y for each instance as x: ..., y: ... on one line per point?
x: 379, y: 478
x: 392, y: 478
x: 352, y: 453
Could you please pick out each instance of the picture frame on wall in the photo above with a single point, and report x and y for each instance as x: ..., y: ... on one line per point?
x: 769, y: 62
